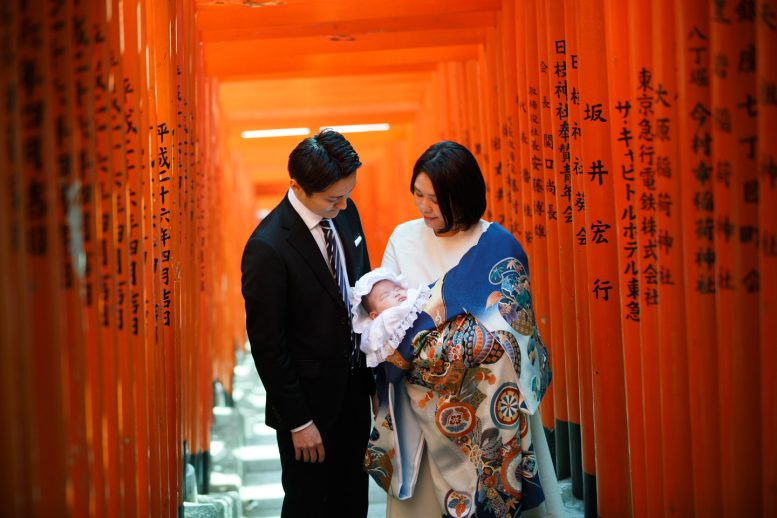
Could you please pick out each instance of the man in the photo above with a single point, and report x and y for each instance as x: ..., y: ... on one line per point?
x: 296, y: 268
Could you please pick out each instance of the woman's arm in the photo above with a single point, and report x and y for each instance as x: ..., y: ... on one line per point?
x: 390, y: 259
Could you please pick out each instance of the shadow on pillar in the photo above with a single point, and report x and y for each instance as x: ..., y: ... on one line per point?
x: 589, y: 495
x: 562, y: 450
x: 568, y: 460
x: 576, y: 460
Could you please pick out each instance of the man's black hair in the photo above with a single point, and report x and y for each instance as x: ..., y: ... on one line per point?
x: 321, y: 160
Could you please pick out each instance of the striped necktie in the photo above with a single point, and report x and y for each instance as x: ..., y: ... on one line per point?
x: 333, y: 254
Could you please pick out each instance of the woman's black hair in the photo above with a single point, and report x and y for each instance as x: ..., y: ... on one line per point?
x: 458, y: 183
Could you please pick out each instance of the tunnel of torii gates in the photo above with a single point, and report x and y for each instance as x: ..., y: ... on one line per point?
x: 631, y: 147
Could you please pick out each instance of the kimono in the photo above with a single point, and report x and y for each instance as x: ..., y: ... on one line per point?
x: 464, y: 381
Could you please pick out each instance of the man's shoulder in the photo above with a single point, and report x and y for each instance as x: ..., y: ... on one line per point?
x: 350, y: 209
x: 350, y: 214
x: 272, y: 229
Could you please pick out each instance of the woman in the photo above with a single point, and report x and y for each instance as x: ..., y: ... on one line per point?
x: 450, y: 194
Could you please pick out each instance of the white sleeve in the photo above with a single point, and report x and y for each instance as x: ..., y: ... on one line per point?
x: 390, y: 259
x: 300, y: 428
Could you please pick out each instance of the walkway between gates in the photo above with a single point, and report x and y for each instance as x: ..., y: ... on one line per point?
x: 245, y: 467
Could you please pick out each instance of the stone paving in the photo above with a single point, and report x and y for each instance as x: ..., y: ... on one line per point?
x: 244, y: 457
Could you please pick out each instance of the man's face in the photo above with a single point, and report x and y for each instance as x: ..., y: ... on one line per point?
x: 329, y: 202
x: 385, y: 294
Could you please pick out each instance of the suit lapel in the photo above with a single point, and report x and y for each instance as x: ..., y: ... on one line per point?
x: 302, y: 241
x: 346, y: 238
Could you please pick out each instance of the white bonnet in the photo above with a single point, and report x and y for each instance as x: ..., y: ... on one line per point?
x: 359, y: 315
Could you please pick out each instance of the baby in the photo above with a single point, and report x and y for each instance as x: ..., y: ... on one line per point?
x: 383, y: 309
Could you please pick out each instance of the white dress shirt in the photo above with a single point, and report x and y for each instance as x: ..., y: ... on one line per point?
x: 312, y: 221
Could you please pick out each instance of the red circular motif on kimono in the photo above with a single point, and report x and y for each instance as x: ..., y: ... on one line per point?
x: 512, y: 480
x: 505, y: 407
x: 458, y: 504
x: 455, y: 419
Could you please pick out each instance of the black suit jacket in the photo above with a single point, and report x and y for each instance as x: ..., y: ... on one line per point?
x: 296, y: 320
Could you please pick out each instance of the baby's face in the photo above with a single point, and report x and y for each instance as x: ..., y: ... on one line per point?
x: 385, y: 294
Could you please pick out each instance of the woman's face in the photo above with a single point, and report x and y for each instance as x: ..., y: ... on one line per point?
x: 426, y: 202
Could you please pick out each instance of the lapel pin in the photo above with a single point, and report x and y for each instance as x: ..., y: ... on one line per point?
x: 357, y: 241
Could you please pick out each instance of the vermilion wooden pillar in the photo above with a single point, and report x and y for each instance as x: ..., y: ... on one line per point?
x: 162, y: 192
x: 491, y: 157
x: 582, y: 281
x: 108, y: 169
x: 136, y: 117
x: 558, y: 224
x: 12, y: 268
x: 646, y: 94
x: 734, y: 183
x: 509, y: 129
x: 42, y: 366
x: 534, y: 203
x: 624, y: 111
x: 504, y: 62
x: 501, y: 169
x: 692, y: 33
x: 157, y: 454
x: 547, y: 234
x: 613, y: 492
x: 766, y: 46
x: 68, y: 143
x: 119, y: 372
x: 89, y: 43
x: 677, y: 474
x: 557, y: 50
x: 523, y: 186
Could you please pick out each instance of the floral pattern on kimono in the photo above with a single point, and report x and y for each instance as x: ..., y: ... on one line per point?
x: 463, y: 382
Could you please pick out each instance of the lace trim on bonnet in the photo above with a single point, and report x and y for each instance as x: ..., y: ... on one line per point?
x: 381, y: 336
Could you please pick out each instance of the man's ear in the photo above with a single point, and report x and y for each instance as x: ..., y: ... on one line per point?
x: 294, y: 186
x: 373, y: 315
